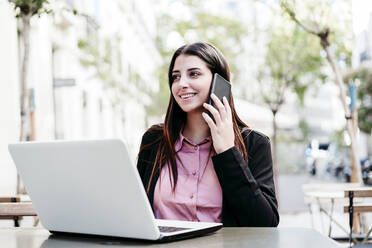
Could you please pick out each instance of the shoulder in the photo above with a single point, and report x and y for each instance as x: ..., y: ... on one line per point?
x: 152, y: 134
x: 254, y: 138
x: 258, y: 148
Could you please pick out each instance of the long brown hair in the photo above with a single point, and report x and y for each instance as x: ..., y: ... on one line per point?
x: 175, y: 117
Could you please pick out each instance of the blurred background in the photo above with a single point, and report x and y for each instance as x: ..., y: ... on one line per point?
x: 89, y: 69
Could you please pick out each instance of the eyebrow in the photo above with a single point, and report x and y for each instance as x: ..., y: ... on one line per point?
x: 190, y: 69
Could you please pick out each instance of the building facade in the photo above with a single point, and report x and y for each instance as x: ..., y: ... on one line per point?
x: 92, y: 69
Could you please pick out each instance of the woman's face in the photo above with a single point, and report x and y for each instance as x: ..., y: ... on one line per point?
x: 191, y: 82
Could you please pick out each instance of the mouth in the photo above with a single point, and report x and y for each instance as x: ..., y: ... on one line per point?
x: 187, y: 96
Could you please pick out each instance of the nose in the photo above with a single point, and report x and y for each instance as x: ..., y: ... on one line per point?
x: 184, y: 83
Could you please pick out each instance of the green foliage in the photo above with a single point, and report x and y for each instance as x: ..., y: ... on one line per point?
x: 293, y: 62
x: 305, y: 130
x: 102, y: 63
x: 364, y: 74
x: 225, y: 33
x: 318, y: 16
x: 321, y: 17
x: 92, y: 58
x: 365, y: 118
x: 30, y: 7
x: 161, y: 98
x: 105, y: 60
x: 300, y: 91
x: 338, y: 138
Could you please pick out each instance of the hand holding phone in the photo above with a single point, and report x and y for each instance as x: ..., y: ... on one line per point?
x: 220, y: 87
x: 222, y: 129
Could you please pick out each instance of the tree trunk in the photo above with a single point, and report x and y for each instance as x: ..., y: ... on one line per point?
x: 354, y: 121
x: 24, y: 99
x: 24, y: 92
x: 349, y: 124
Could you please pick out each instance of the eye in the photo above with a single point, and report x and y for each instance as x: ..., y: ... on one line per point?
x: 194, y: 74
x: 175, y: 77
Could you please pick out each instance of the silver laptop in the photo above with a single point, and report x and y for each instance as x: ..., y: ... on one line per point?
x: 91, y: 187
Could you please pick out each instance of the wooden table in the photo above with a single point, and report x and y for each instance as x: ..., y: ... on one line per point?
x: 15, y: 207
x: 224, y: 238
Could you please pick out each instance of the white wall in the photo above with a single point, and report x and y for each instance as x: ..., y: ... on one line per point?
x: 75, y: 121
x: 40, y: 76
x: 115, y: 19
x: 9, y: 107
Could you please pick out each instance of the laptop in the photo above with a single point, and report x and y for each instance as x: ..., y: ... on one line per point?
x: 91, y: 187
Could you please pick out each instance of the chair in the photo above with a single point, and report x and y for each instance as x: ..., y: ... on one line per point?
x: 324, y: 195
x: 11, y: 207
x: 356, y: 208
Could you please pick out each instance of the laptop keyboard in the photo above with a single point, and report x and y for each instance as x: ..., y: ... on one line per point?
x: 168, y: 229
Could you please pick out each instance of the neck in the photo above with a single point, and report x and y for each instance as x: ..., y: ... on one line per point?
x: 196, y: 129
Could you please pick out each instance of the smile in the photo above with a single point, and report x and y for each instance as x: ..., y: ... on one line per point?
x: 187, y: 96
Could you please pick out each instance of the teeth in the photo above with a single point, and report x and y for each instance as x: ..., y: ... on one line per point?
x: 187, y: 96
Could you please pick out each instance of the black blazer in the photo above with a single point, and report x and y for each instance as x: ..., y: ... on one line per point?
x: 248, y: 190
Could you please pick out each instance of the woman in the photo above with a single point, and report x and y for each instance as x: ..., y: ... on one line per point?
x: 198, y: 169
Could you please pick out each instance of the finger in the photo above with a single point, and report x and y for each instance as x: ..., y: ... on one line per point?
x: 214, y: 112
x: 227, y: 107
x: 209, y: 121
x: 219, y: 105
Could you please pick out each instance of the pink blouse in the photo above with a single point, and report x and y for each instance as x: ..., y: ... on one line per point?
x: 198, y: 195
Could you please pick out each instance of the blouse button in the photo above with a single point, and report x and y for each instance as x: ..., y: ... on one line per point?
x: 194, y: 173
x: 191, y: 196
x: 195, y: 148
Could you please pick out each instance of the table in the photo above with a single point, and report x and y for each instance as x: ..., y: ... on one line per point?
x: 15, y: 207
x: 224, y: 238
x: 322, y: 199
x: 324, y: 194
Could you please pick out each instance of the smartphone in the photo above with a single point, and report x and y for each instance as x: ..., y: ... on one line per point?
x: 220, y: 87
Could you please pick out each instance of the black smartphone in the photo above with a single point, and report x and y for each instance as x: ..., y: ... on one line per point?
x: 220, y: 87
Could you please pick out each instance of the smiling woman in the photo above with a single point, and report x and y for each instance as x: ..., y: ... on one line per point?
x: 191, y: 82
x: 198, y: 169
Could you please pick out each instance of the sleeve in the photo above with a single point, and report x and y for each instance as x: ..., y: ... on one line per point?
x: 249, y: 191
x: 145, y: 158
x: 140, y: 158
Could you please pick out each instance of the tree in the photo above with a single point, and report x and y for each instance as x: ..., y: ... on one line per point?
x: 203, y: 26
x: 316, y: 21
x: 103, y: 65
x: 105, y: 61
x: 364, y: 74
x: 25, y: 10
x: 292, y: 63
